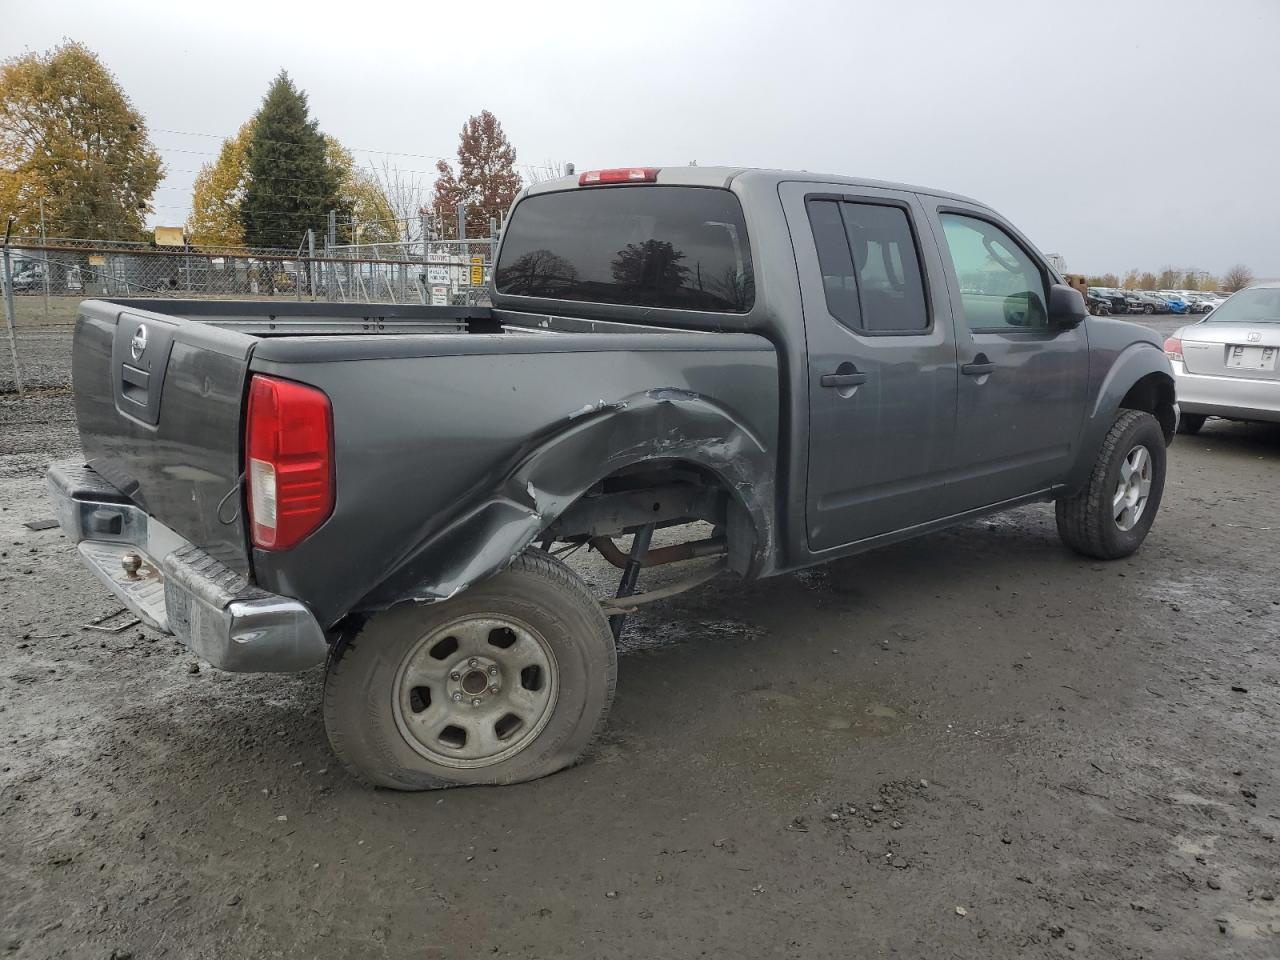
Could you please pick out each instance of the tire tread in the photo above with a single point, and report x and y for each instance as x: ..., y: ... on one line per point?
x: 1082, y: 519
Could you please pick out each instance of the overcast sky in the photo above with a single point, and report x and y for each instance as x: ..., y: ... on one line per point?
x: 1119, y: 133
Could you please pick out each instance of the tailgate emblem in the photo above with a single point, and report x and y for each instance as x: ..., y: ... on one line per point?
x: 138, y: 345
x: 1255, y: 337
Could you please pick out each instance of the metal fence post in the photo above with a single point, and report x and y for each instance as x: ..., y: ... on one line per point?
x: 426, y: 259
x: 331, y: 241
x: 493, y: 243
x: 297, y: 266
x: 44, y: 241
x: 311, y: 260
x: 10, y: 313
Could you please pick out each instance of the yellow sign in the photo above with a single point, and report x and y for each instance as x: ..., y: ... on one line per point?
x: 477, y: 271
x: 97, y: 260
x: 169, y: 237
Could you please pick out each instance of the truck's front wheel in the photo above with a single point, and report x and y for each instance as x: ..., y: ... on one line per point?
x: 1110, y: 517
x: 507, y: 682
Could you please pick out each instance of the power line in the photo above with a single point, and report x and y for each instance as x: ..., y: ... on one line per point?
x: 122, y: 163
x: 389, y: 153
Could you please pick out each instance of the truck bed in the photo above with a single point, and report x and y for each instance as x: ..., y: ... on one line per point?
x: 430, y: 404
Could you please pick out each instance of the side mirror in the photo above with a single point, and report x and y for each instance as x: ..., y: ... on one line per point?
x: 1066, y: 307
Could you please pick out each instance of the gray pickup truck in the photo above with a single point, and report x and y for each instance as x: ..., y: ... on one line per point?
x: 798, y: 367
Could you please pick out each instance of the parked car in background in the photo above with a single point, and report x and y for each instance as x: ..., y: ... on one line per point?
x: 29, y: 277
x: 1188, y: 297
x: 1149, y: 303
x: 1132, y: 302
x: 1203, y: 302
x: 1113, y: 297
x: 1226, y: 364
x: 1175, y: 301
x: 1099, y: 305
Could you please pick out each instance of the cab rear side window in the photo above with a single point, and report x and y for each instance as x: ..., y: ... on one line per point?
x: 870, y: 266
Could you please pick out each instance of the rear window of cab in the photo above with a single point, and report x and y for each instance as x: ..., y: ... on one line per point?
x: 654, y: 246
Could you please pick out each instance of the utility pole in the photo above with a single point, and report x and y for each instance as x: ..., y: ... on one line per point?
x: 44, y: 242
x: 9, y: 311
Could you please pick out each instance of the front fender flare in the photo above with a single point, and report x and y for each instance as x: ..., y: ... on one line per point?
x: 549, y: 473
x: 1131, y: 364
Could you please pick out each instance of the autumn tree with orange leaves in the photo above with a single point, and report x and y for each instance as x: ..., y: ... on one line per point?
x: 485, y: 180
x: 70, y: 137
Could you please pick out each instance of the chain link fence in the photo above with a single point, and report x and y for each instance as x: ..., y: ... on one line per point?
x: 45, y: 281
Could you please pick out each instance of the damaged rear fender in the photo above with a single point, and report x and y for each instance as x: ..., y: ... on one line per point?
x: 484, y: 534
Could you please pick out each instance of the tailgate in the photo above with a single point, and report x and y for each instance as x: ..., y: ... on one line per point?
x: 158, y: 401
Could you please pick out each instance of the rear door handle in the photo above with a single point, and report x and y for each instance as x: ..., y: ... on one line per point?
x: 978, y: 368
x: 843, y: 379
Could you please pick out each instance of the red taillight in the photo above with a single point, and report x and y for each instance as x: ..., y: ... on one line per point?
x: 288, y: 461
x: 619, y: 175
x: 1173, y: 349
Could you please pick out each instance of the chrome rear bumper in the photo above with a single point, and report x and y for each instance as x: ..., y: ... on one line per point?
x: 178, y: 588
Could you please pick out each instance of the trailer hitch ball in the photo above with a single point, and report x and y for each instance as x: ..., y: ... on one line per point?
x: 131, y: 563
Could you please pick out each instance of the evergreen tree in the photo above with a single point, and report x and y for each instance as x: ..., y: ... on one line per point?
x: 291, y: 184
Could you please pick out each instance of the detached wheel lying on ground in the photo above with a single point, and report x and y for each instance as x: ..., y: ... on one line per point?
x: 1191, y: 423
x: 1110, y: 517
x: 509, y: 681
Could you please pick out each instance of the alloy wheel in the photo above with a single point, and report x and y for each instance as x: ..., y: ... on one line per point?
x: 1133, y: 489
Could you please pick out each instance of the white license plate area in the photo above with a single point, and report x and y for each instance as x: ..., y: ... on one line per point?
x: 1241, y: 357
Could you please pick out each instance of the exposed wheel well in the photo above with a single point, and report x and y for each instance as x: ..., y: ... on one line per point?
x: 666, y: 493
x: 1154, y: 394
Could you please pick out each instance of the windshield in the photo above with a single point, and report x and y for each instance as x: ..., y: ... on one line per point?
x: 1255, y: 305
x: 651, y: 246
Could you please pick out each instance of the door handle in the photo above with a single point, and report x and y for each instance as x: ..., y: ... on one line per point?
x: 843, y: 379
x: 979, y: 367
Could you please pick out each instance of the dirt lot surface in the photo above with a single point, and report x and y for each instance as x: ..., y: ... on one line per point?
x: 973, y: 745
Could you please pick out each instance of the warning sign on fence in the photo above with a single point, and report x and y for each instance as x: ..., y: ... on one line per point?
x: 477, y: 271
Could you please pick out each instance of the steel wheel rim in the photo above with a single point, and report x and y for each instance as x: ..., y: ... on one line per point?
x: 475, y: 691
x: 1129, y: 502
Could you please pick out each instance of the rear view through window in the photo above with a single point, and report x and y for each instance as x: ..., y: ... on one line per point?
x: 650, y: 246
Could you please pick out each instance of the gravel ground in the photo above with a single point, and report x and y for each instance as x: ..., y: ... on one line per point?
x: 972, y: 745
